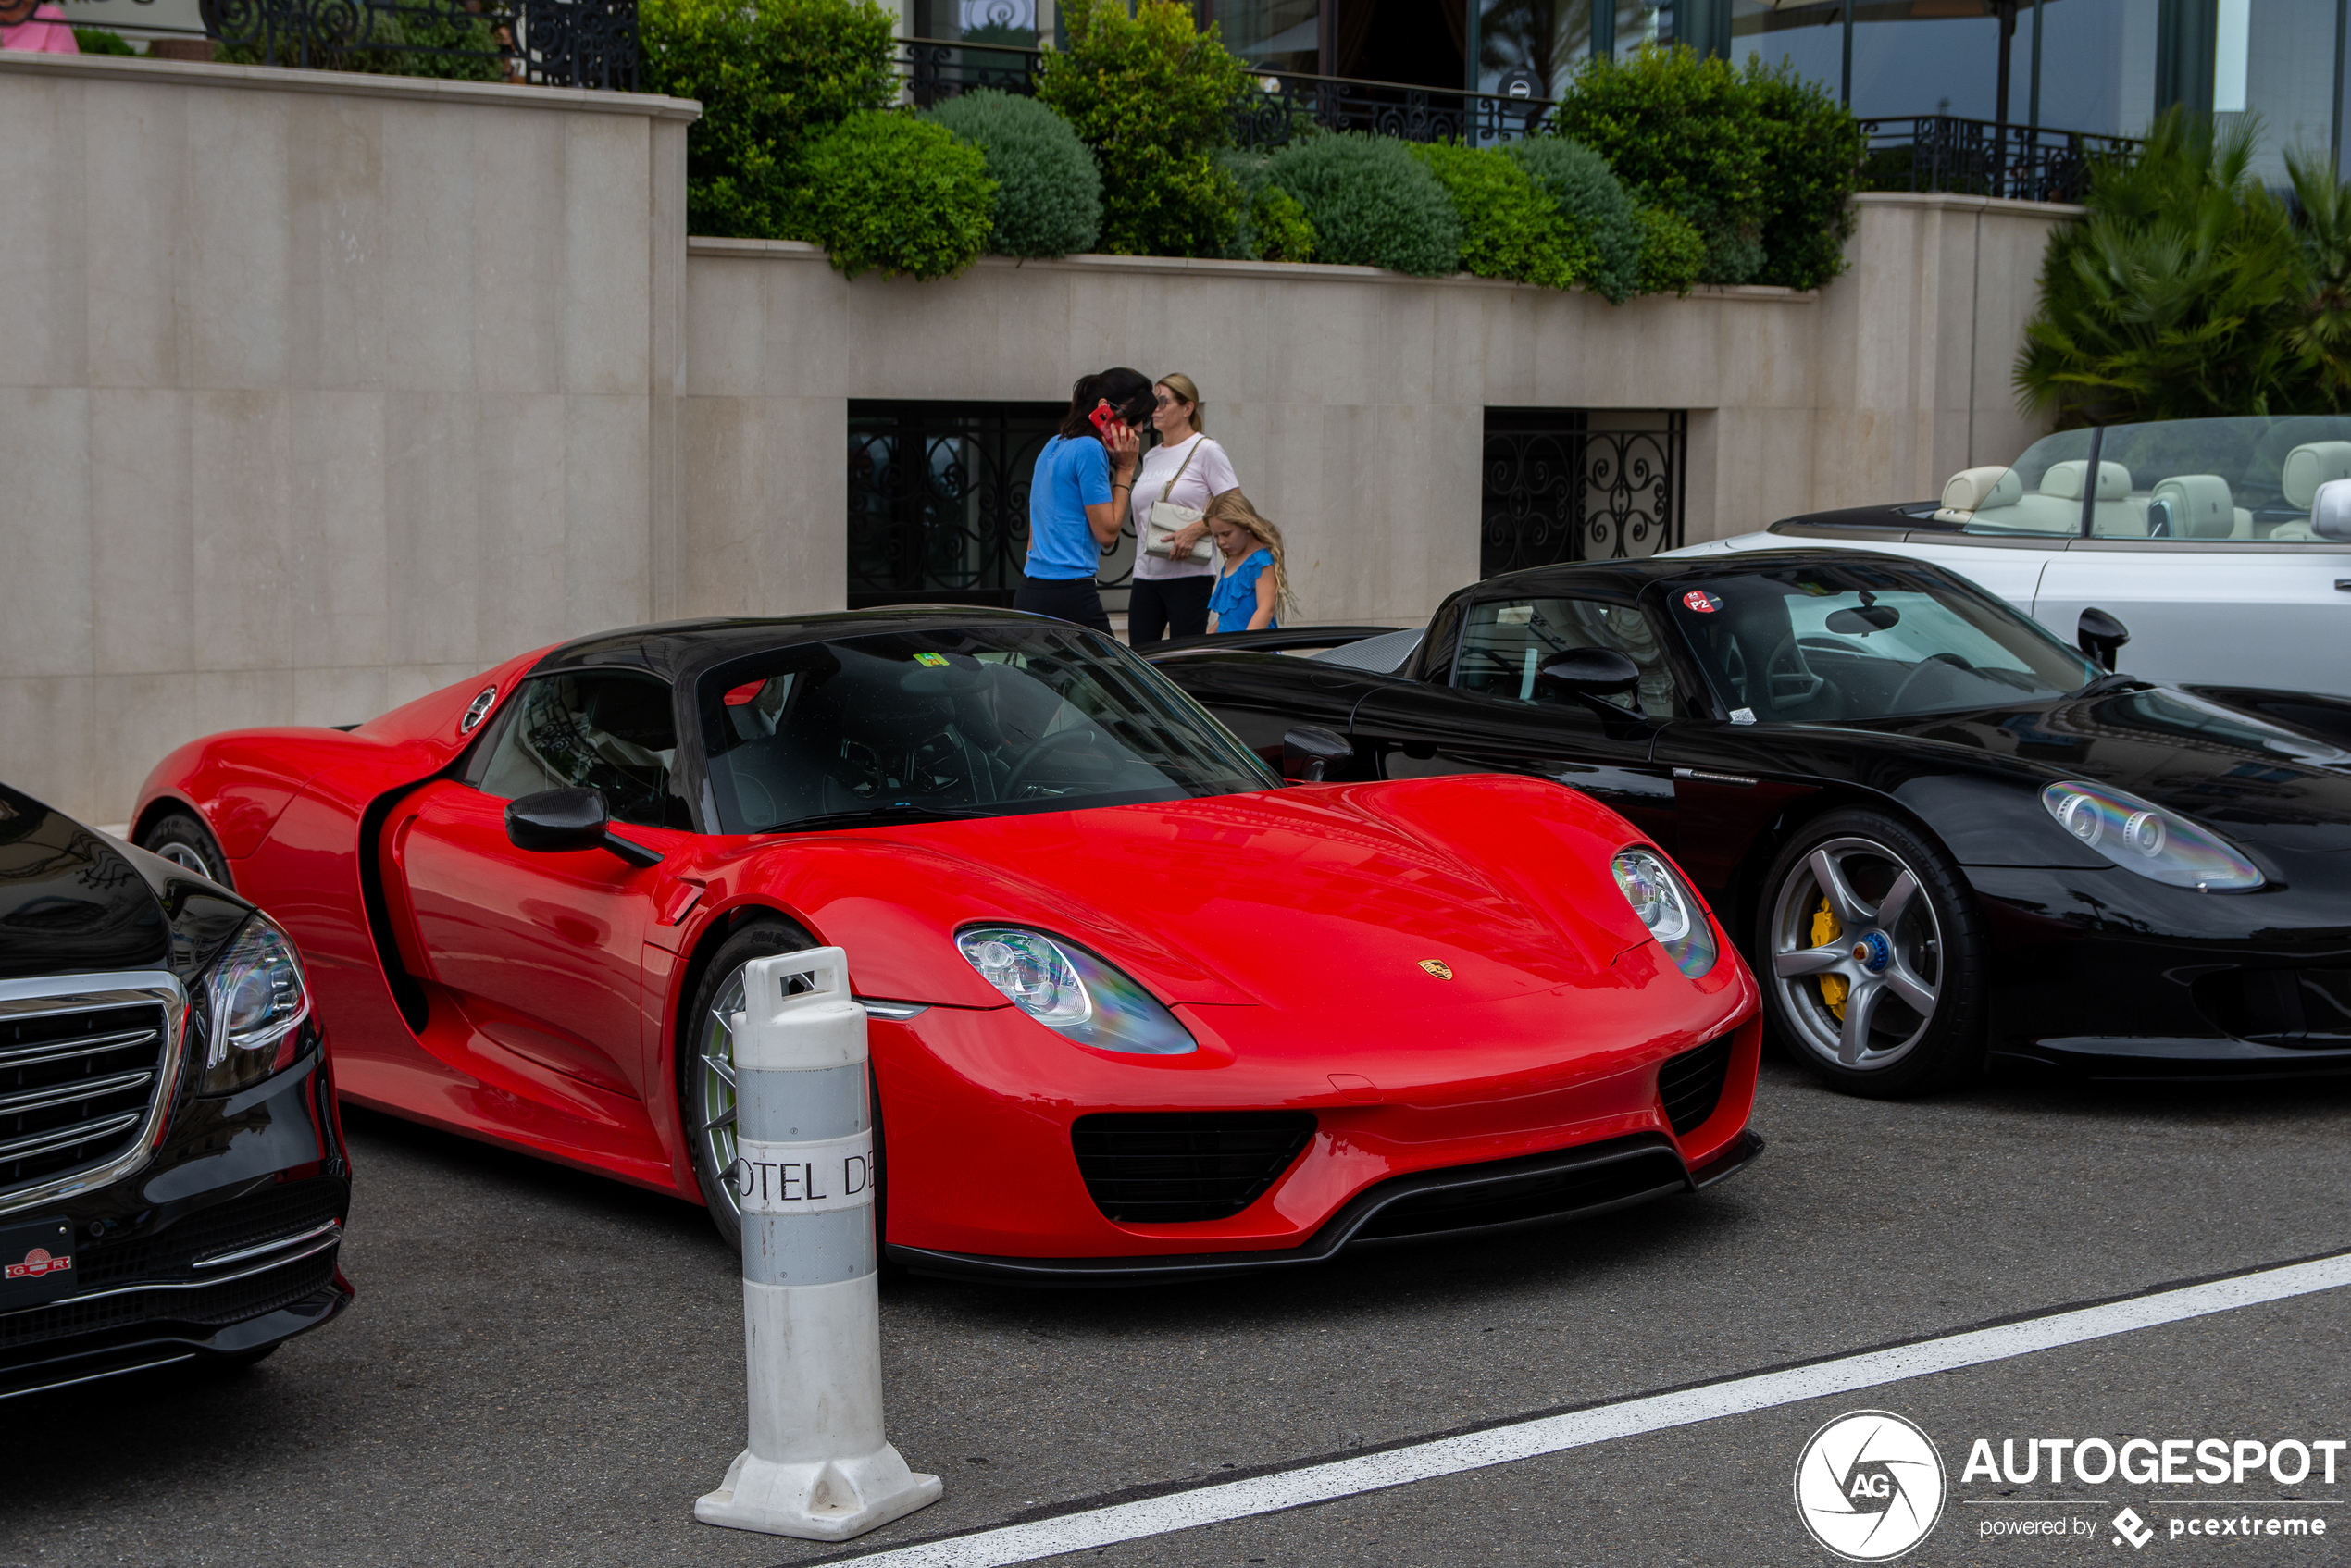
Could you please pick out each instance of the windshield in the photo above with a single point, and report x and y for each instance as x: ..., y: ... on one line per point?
x: 1837, y: 644
x: 969, y: 722
x: 2245, y: 478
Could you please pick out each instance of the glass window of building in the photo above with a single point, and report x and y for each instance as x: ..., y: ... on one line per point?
x: 1549, y: 40
x: 2277, y: 59
x: 977, y: 21
x: 1274, y: 34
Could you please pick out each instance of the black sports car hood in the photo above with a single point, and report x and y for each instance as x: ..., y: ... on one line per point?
x: 72, y: 900
x: 2221, y: 764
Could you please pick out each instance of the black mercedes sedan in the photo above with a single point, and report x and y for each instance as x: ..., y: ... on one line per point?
x: 173, y: 1181
x: 1946, y: 837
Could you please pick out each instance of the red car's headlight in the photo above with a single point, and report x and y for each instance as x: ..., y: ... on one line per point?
x: 1667, y: 907
x: 1073, y: 992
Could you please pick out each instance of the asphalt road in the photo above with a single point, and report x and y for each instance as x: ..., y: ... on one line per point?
x: 545, y: 1368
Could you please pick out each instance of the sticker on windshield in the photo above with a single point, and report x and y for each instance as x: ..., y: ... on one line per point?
x: 938, y: 661
x: 1705, y: 603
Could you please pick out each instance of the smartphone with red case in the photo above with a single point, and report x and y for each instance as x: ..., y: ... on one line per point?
x: 1104, y: 417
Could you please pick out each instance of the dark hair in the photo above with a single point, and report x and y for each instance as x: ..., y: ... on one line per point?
x: 1127, y: 392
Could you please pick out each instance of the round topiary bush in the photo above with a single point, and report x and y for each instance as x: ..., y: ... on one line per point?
x: 889, y: 192
x: 1049, y: 194
x: 1510, y: 228
x: 1673, y: 252
x: 1372, y: 204
x: 1593, y: 204
x: 1272, y: 226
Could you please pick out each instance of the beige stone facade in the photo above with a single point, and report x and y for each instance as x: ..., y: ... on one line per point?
x: 319, y: 391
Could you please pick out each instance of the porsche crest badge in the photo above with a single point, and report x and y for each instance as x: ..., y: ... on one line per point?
x: 1438, y: 967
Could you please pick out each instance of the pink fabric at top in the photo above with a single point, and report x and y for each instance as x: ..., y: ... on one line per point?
x: 44, y: 33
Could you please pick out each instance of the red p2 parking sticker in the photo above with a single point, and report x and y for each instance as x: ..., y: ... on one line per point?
x: 1705, y: 603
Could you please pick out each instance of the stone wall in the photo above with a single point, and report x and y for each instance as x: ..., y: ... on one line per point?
x: 319, y: 391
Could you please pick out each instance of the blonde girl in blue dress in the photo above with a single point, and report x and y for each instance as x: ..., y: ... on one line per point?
x: 1254, y: 583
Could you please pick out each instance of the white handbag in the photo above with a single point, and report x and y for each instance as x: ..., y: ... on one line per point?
x: 1166, y: 519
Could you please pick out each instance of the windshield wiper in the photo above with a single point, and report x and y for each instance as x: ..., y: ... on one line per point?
x: 897, y: 811
x: 2113, y: 680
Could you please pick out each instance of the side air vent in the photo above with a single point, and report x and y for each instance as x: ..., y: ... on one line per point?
x: 1169, y: 1167
x: 1690, y: 1085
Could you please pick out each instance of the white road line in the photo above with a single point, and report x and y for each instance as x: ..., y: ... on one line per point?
x: 1553, y: 1434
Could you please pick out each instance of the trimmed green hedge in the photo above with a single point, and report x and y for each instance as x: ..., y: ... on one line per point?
x: 1510, y: 226
x: 1049, y: 194
x: 771, y: 75
x: 1593, y: 205
x: 1372, y: 202
x: 1673, y: 252
x: 1152, y: 95
x: 893, y: 193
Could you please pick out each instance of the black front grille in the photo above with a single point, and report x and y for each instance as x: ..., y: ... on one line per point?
x: 170, y: 1253
x: 1690, y: 1085
x: 1507, y: 1193
x: 212, y: 1306
x: 1165, y: 1167
x: 2310, y: 1008
x: 75, y: 1087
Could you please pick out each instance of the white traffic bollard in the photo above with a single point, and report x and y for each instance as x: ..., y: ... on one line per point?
x: 817, y: 1466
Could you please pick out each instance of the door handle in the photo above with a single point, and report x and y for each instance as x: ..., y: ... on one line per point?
x: 2343, y: 585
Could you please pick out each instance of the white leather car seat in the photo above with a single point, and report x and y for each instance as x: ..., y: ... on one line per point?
x: 1973, y: 491
x: 2306, y: 468
x: 2114, y: 514
x: 2201, y: 507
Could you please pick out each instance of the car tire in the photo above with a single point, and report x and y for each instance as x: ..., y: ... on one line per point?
x: 705, y: 1094
x: 179, y: 838
x: 1874, y: 1005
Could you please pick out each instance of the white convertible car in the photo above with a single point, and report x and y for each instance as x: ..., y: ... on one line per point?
x: 2208, y: 539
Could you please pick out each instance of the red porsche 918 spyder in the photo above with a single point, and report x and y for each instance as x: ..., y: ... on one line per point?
x: 1141, y: 1010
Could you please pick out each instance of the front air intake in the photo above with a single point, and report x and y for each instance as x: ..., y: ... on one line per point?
x: 1169, y: 1167
x: 1690, y: 1085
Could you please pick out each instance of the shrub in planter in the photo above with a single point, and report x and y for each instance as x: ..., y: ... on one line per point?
x: 1510, y: 229
x: 1153, y: 97
x: 771, y: 75
x: 890, y: 192
x: 1372, y: 202
x: 1812, y: 151
x: 1272, y: 226
x: 1594, y: 205
x: 1673, y: 252
x: 1049, y: 194
x: 1682, y: 134
x: 97, y: 41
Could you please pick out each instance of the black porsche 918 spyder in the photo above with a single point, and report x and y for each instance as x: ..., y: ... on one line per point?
x: 1947, y: 837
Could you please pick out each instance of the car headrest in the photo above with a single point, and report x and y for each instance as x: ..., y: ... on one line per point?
x: 2200, y: 505
x: 2064, y: 479
x: 1976, y: 490
x: 2311, y: 465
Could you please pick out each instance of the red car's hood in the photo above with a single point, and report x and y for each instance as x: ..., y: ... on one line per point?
x: 1330, y: 897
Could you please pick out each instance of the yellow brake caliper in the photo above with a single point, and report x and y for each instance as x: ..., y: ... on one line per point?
x: 1833, y: 986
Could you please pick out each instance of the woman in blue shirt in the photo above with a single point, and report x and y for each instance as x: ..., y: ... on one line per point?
x: 1079, y: 495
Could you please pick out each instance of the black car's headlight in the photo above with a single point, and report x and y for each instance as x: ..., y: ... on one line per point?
x: 2141, y: 837
x: 255, y: 1002
x: 1668, y: 907
x: 1067, y: 988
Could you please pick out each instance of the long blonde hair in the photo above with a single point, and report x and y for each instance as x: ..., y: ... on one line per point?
x: 1233, y: 507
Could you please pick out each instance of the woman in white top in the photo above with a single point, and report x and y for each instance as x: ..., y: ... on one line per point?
x: 1170, y: 598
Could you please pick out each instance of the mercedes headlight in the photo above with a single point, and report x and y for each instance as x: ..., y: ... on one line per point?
x: 1667, y: 907
x: 1067, y: 988
x: 255, y: 1002
x: 2146, y: 839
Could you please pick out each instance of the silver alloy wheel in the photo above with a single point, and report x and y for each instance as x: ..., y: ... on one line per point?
x: 714, y: 1107
x: 1888, y: 950
x: 185, y: 857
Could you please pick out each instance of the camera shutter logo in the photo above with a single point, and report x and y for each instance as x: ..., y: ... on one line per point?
x: 1869, y: 1485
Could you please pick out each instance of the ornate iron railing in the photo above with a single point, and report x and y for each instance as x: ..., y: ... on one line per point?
x: 938, y: 502
x: 1281, y: 104
x: 1554, y: 488
x: 1980, y: 158
x: 543, y: 42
